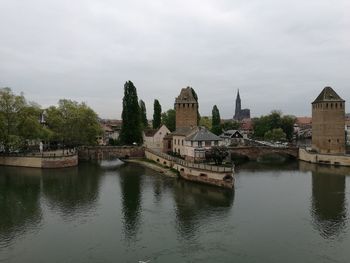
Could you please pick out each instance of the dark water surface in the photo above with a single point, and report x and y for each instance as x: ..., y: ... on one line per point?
x: 293, y: 212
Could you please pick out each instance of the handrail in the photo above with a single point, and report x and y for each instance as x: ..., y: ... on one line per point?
x: 56, y: 154
x: 201, y: 166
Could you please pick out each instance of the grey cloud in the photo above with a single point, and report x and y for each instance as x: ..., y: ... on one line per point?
x: 280, y: 54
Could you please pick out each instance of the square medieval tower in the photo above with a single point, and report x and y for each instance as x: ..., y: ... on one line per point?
x: 328, y: 122
x: 186, y: 107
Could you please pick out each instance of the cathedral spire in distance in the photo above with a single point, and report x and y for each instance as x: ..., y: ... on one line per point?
x: 239, y: 113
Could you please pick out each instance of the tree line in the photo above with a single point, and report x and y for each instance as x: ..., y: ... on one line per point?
x: 134, y: 117
x: 23, y: 124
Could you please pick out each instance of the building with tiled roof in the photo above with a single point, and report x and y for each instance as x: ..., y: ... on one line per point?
x: 153, y: 138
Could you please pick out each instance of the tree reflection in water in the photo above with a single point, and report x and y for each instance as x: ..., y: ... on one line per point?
x: 19, y: 202
x: 72, y: 191
x: 198, y: 203
x: 131, y: 180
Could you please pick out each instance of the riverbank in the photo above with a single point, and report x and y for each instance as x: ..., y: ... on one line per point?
x: 154, y: 166
x: 330, y: 159
x: 45, y: 160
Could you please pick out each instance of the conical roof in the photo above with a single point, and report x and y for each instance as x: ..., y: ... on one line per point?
x: 328, y: 94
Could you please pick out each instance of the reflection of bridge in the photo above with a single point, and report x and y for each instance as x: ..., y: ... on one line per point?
x: 254, y: 152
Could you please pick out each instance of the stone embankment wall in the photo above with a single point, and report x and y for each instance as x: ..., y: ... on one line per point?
x: 97, y: 153
x: 343, y: 160
x: 40, y: 161
x: 203, y: 173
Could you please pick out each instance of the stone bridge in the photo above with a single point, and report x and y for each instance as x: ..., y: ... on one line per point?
x: 254, y: 152
x: 97, y: 153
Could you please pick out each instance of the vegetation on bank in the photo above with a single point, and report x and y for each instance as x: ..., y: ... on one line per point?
x: 24, y: 124
x: 274, y: 127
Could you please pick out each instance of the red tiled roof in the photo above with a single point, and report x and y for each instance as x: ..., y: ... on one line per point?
x: 303, y: 120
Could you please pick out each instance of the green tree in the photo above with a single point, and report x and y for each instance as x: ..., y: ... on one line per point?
x: 195, y: 96
x: 169, y: 119
x: 275, y: 135
x: 216, y: 121
x: 10, y: 106
x: 287, y: 125
x: 143, y: 113
x: 73, y: 123
x: 131, y: 130
x: 272, y: 121
x: 206, y: 122
x: 19, y: 121
x: 230, y: 125
x: 157, y: 118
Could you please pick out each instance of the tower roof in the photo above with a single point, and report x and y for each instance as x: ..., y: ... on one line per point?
x: 328, y: 94
x: 186, y: 96
x: 238, y: 96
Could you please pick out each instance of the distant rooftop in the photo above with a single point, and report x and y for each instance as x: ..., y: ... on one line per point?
x: 184, y: 131
x: 328, y: 94
x: 203, y: 135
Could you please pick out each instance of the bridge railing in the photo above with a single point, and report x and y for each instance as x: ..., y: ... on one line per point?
x: 202, y: 166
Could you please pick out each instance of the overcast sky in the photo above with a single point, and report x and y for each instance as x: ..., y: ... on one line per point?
x: 279, y: 54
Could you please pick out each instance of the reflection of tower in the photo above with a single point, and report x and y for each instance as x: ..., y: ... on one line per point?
x: 328, y: 122
x: 131, y: 183
x: 328, y: 203
x: 186, y: 107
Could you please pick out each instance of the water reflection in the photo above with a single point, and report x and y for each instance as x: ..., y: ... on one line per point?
x: 72, y: 191
x: 19, y: 202
x: 261, y: 166
x: 131, y: 180
x: 197, y: 203
x: 328, y: 208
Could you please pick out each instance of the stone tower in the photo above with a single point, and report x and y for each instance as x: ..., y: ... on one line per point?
x: 328, y: 122
x: 186, y: 107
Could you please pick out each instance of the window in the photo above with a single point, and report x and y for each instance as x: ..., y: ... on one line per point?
x: 199, y: 144
x: 182, y: 141
x: 174, y: 141
x: 208, y: 143
x: 216, y: 143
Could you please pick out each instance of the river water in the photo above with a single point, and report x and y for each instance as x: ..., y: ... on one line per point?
x: 290, y: 212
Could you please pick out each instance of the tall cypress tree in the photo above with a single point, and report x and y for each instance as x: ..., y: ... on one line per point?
x: 216, y: 121
x: 157, y: 115
x: 143, y: 113
x: 131, y: 126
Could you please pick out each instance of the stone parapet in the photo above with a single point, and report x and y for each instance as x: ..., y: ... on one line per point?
x: 40, y: 161
x: 331, y: 159
x: 199, y: 172
x: 97, y: 153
